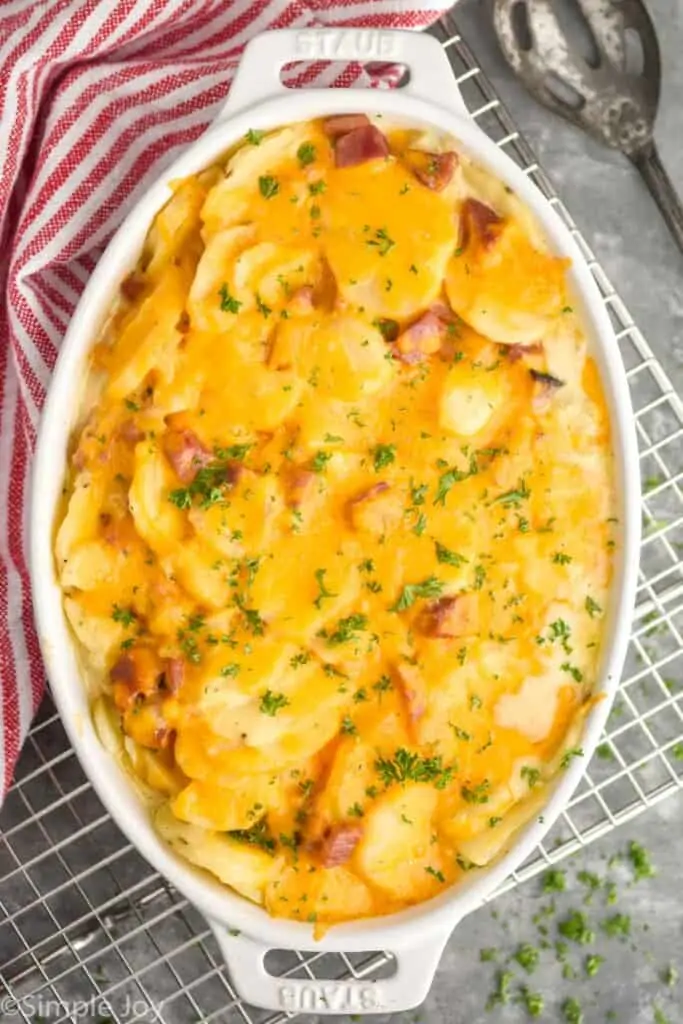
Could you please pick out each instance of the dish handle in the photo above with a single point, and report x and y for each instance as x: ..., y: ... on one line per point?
x: 258, y: 75
x: 408, y: 987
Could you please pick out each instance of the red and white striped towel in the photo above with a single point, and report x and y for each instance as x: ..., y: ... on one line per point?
x: 96, y: 97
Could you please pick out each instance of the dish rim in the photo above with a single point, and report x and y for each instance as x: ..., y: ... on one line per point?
x: 60, y: 650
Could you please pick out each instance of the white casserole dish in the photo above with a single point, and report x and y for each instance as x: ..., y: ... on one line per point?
x: 245, y: 931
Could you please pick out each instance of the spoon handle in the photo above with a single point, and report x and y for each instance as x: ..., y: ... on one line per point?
x: 662, y: 190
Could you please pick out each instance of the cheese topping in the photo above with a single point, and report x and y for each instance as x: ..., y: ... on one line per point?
x: 338, y: 527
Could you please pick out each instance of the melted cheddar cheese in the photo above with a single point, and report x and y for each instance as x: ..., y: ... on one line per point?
x: 336, y: 541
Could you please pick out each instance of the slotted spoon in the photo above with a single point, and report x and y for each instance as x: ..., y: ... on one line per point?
x: 604, y: 76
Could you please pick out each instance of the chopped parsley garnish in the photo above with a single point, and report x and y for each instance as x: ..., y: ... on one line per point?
x: 323, y: 592
x: 254, y: 136
x: 429, y: 587
x: 262, y: 308
x: 306, y: 153
x: 230, y: 670
x: 488, y: 954
x: 554, y: 881
x: 381, y: 241
x: 512, y: 499
x: 356, y: 811
x: 409, y: 767
x: 501, y: 994
x: 559, y: 558
x: 383, y: 455
x: 254, y: 621
x: 449, y: 557
x: 479, y: 576
x: 320, y: 461
x: 126, y: 616
x: 389, y: 329
x: 302, y: 658
x: 569, y: 755
x: 347, y: 629
x: 575, y: 928
x: 271, y: 703
x: 420, y: 524
x: 532, y: 775
x: 533, y: 1002
x: 571, y: 1011
x: 257, y: 835
x: 418, y: 493
x: 592, y: 607
x: 617, y: 926
x: 228, y: 303
x: 348, y: 726
x: 461, y: 734
x: 234, y: 452
x: 383, y: 685
x: 438, y: 875
x: 316, y: 188
x: 527, y: 956
x: 478, y: 794
x: 640, y: 861
x: 268, y: 186
x: 574, y: 672
x: 592, y: 964
x: 451, y: 477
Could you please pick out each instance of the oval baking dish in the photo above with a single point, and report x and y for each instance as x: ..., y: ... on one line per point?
x: 258, y: 103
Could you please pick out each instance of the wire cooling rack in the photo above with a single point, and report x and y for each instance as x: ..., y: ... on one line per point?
x: 88, y: 930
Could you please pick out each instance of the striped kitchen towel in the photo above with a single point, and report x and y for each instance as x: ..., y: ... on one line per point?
x: 96, y: 98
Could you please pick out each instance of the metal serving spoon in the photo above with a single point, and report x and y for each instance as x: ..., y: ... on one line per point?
x: 599, y: 69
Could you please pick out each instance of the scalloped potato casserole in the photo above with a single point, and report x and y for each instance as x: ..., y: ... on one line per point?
x: 336, y: 540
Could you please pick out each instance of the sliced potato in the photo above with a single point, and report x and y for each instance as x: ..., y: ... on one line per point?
x: 245, y: 868
x: 225, y: 808
x: 396, y: 849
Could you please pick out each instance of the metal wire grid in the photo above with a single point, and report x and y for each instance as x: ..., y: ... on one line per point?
x: 88, y: 929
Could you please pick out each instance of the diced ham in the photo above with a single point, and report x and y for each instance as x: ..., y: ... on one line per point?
x: 377, y: 509
x: 480, y: 222
x: 136, y: 673
x: 517, y: 352
x: 450, y: 617
x: 145, y: 723
x: 79, y: 459
x: 186, y: 453
x: 301, y: 483
x: 124, y: 670
x: 412, y: 688
x: 342, y: 124
x: 443, y: 311
x: 174, y: 673
x: 545, y: 386
x: 371, y: 492
x: 302, y: 300
x: 435, y: 170
x: 183, y: 324
x: 359, y: 146
x: 422, y: 338
x: 339, y: 843
x: 130, y: 432
x: 133, y: 286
